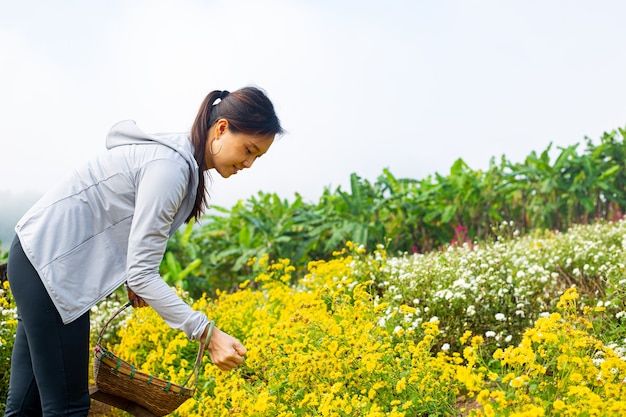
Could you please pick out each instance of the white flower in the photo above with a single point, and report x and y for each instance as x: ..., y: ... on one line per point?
x: 445, y: 347
x: 470, y: 311
x: 500, y: 317
x: 434, y: 318
x: 490, y: 333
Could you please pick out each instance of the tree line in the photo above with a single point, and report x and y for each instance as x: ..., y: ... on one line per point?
x: 405, y: 215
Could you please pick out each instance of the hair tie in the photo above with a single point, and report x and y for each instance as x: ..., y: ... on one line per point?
x: 223, y: 94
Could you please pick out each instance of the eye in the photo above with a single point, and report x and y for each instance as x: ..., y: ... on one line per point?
x: 248, y: 151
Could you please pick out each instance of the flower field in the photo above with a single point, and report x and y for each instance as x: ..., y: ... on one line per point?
x: 519, y: 326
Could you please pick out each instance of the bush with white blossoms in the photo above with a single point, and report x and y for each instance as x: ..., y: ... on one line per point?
x: 499, y: 288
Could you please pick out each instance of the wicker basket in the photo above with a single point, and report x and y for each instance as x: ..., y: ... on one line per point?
x: 117, y: 377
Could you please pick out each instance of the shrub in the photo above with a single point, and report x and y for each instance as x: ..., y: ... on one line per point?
x: 497, y: 289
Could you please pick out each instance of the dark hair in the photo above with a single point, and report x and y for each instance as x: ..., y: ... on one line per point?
x: 247, y: 110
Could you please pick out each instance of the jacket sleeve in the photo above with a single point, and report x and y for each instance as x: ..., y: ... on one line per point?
x: 161, y: 186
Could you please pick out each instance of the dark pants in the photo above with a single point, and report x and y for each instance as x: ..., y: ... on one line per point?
x: 50, y: 362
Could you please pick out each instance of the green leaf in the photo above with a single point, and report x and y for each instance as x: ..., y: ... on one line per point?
x: 610, y: 172
x: 448, y: 214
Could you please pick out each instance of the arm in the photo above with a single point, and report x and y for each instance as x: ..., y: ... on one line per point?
x: 161, y: 186
x: 160, y: 191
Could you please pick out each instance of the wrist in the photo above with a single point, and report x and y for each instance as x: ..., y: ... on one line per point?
x: 208, y: 332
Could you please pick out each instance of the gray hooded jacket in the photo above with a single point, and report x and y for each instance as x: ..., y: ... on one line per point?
x: 109, y: 222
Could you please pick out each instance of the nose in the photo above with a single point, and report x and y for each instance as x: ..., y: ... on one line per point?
x: 248, y: 162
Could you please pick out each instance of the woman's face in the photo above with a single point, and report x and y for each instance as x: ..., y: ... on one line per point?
x: 230, y: 152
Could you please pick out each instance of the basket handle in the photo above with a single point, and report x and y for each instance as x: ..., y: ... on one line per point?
x: 117, y: 313
x: 196, y: 367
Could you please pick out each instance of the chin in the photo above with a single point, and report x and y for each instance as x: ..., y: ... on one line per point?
x: 225, y: 174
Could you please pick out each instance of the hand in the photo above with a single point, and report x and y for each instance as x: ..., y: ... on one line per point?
x: 225, y: 351
x: 137, y: 300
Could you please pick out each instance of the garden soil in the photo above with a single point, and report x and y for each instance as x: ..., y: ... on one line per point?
x: 99, y: 409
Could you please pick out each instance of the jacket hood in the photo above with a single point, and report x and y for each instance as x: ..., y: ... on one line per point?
x: 127, y: 132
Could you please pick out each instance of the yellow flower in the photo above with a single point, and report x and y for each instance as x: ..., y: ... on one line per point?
x: 407, y: 309
x: 401, y: 385
x: 568, y: 299
x: 519, y: 381
x: 465, y: 337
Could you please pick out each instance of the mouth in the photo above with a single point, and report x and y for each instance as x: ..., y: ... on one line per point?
x: 235, y: 170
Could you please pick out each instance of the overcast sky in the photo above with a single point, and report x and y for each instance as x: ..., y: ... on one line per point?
x: 359, y: 85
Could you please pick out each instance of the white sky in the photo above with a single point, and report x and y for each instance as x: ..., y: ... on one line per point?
x: 359, y: 85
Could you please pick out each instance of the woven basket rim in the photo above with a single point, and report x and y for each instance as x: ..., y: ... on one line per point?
x: 104, y: 356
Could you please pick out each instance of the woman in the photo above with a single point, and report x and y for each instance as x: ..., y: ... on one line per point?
x: 108, y: 224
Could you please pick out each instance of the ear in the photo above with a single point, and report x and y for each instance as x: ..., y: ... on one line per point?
x: 221, y: 126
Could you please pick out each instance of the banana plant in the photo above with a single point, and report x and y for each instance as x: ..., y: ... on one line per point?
x: 405, y: 214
